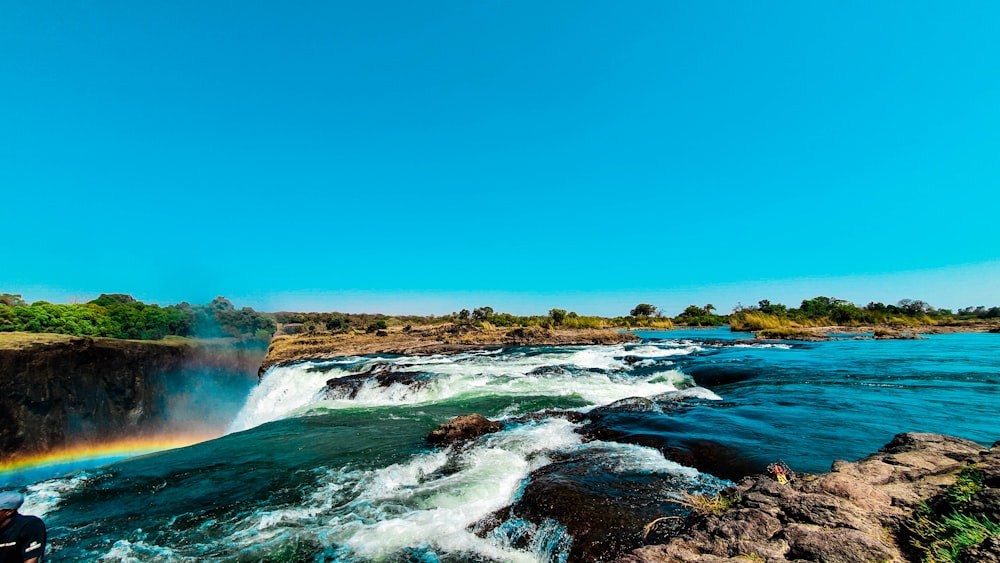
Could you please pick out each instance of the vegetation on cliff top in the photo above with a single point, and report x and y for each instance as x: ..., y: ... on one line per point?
x: 122, y: 316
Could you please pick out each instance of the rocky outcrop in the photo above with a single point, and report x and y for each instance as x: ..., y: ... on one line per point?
x: 447, y: 339
x: 859, y: 511
x: 61, y: 389
x: 603, y: 515
x: 381, y: 375
x: 461, y: 428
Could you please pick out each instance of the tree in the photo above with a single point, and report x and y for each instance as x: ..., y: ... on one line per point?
x: 643, y: 310
x: 769, y: 308
x: 335, y: 324
x: 12, y: 300
x: 914, y: 307
x: 558, y: 315
x: 112, y: 299
x: 482, y: 313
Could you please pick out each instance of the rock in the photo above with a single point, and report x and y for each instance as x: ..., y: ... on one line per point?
x: 860, y: 511
x: 383, y: 374
x: 526, y: 335
x: 462, y: 428
x: 60, y: 390
x: 886, y: 333
x: 605, y: 515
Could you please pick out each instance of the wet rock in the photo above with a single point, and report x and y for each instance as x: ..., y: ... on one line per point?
x: 383, y: 374
x: 549, y: 370
x: 859, y: 511
x: 463, y: 428
x: 575, y: 417
x: 604, y: 512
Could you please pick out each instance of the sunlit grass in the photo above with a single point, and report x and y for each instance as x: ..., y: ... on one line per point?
x: 749, y: 321
x: 942, y: 537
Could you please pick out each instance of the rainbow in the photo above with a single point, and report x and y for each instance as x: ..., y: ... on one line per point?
x: 86, y: 453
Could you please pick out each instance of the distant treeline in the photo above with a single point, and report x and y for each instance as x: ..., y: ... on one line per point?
x: 644, y: 315
x: 829, y: 311
x: 122, y: 316
x: 819, y: 311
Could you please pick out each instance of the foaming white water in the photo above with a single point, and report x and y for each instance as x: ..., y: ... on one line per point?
x: 597, y: 374
x: 126, y: 551
x: 654, y: 351
x: 45, y: 497
x: 432, y: 500
x: 439, y: 507
x: 428, y: 501
x: 765, y: 345
x: 282, y: 391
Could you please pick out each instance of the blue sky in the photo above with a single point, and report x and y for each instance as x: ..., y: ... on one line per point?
x: 427, y: 156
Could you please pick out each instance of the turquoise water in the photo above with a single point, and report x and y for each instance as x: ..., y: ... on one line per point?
x: 307, y: 474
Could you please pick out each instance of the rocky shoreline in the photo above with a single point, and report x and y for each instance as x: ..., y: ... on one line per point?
x: 453, y: 339
x: 861, y: 511
x: 880, y: 508
x: 447, y: 339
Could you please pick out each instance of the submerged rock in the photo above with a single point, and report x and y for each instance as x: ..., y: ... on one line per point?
x: 462, y: 428
x: 860, y: 511
x: 616, y: 423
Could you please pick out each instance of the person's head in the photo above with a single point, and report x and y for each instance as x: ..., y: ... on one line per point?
x: 10, y: 501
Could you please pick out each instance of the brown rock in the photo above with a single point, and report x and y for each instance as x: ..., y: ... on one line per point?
x: 462, y: 428
x: 857, y: 512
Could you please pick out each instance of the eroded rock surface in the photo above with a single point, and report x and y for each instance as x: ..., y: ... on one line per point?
x: 856, y: 512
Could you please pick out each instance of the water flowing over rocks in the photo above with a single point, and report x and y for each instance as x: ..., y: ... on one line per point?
x: 707, y: 456
x: 605, y: 515
x: 382, y: 374
x: 857, y: 512
x: 448, y: 339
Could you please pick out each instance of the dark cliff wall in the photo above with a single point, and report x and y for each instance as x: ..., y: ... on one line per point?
x: 61, y: 390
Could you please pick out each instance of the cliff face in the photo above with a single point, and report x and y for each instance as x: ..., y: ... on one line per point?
x: 60, y: 390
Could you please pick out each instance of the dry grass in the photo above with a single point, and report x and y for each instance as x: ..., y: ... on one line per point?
x: 22, y: 340
x: 748, y: 321
x: 705, y: 504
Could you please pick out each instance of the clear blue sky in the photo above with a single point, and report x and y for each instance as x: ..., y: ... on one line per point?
x: 427, y: 156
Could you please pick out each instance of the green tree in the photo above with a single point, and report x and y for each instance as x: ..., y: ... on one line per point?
x: 558, y: 316
x: 482, y: 313
x: 643, y: 310
x: 12, y: 300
